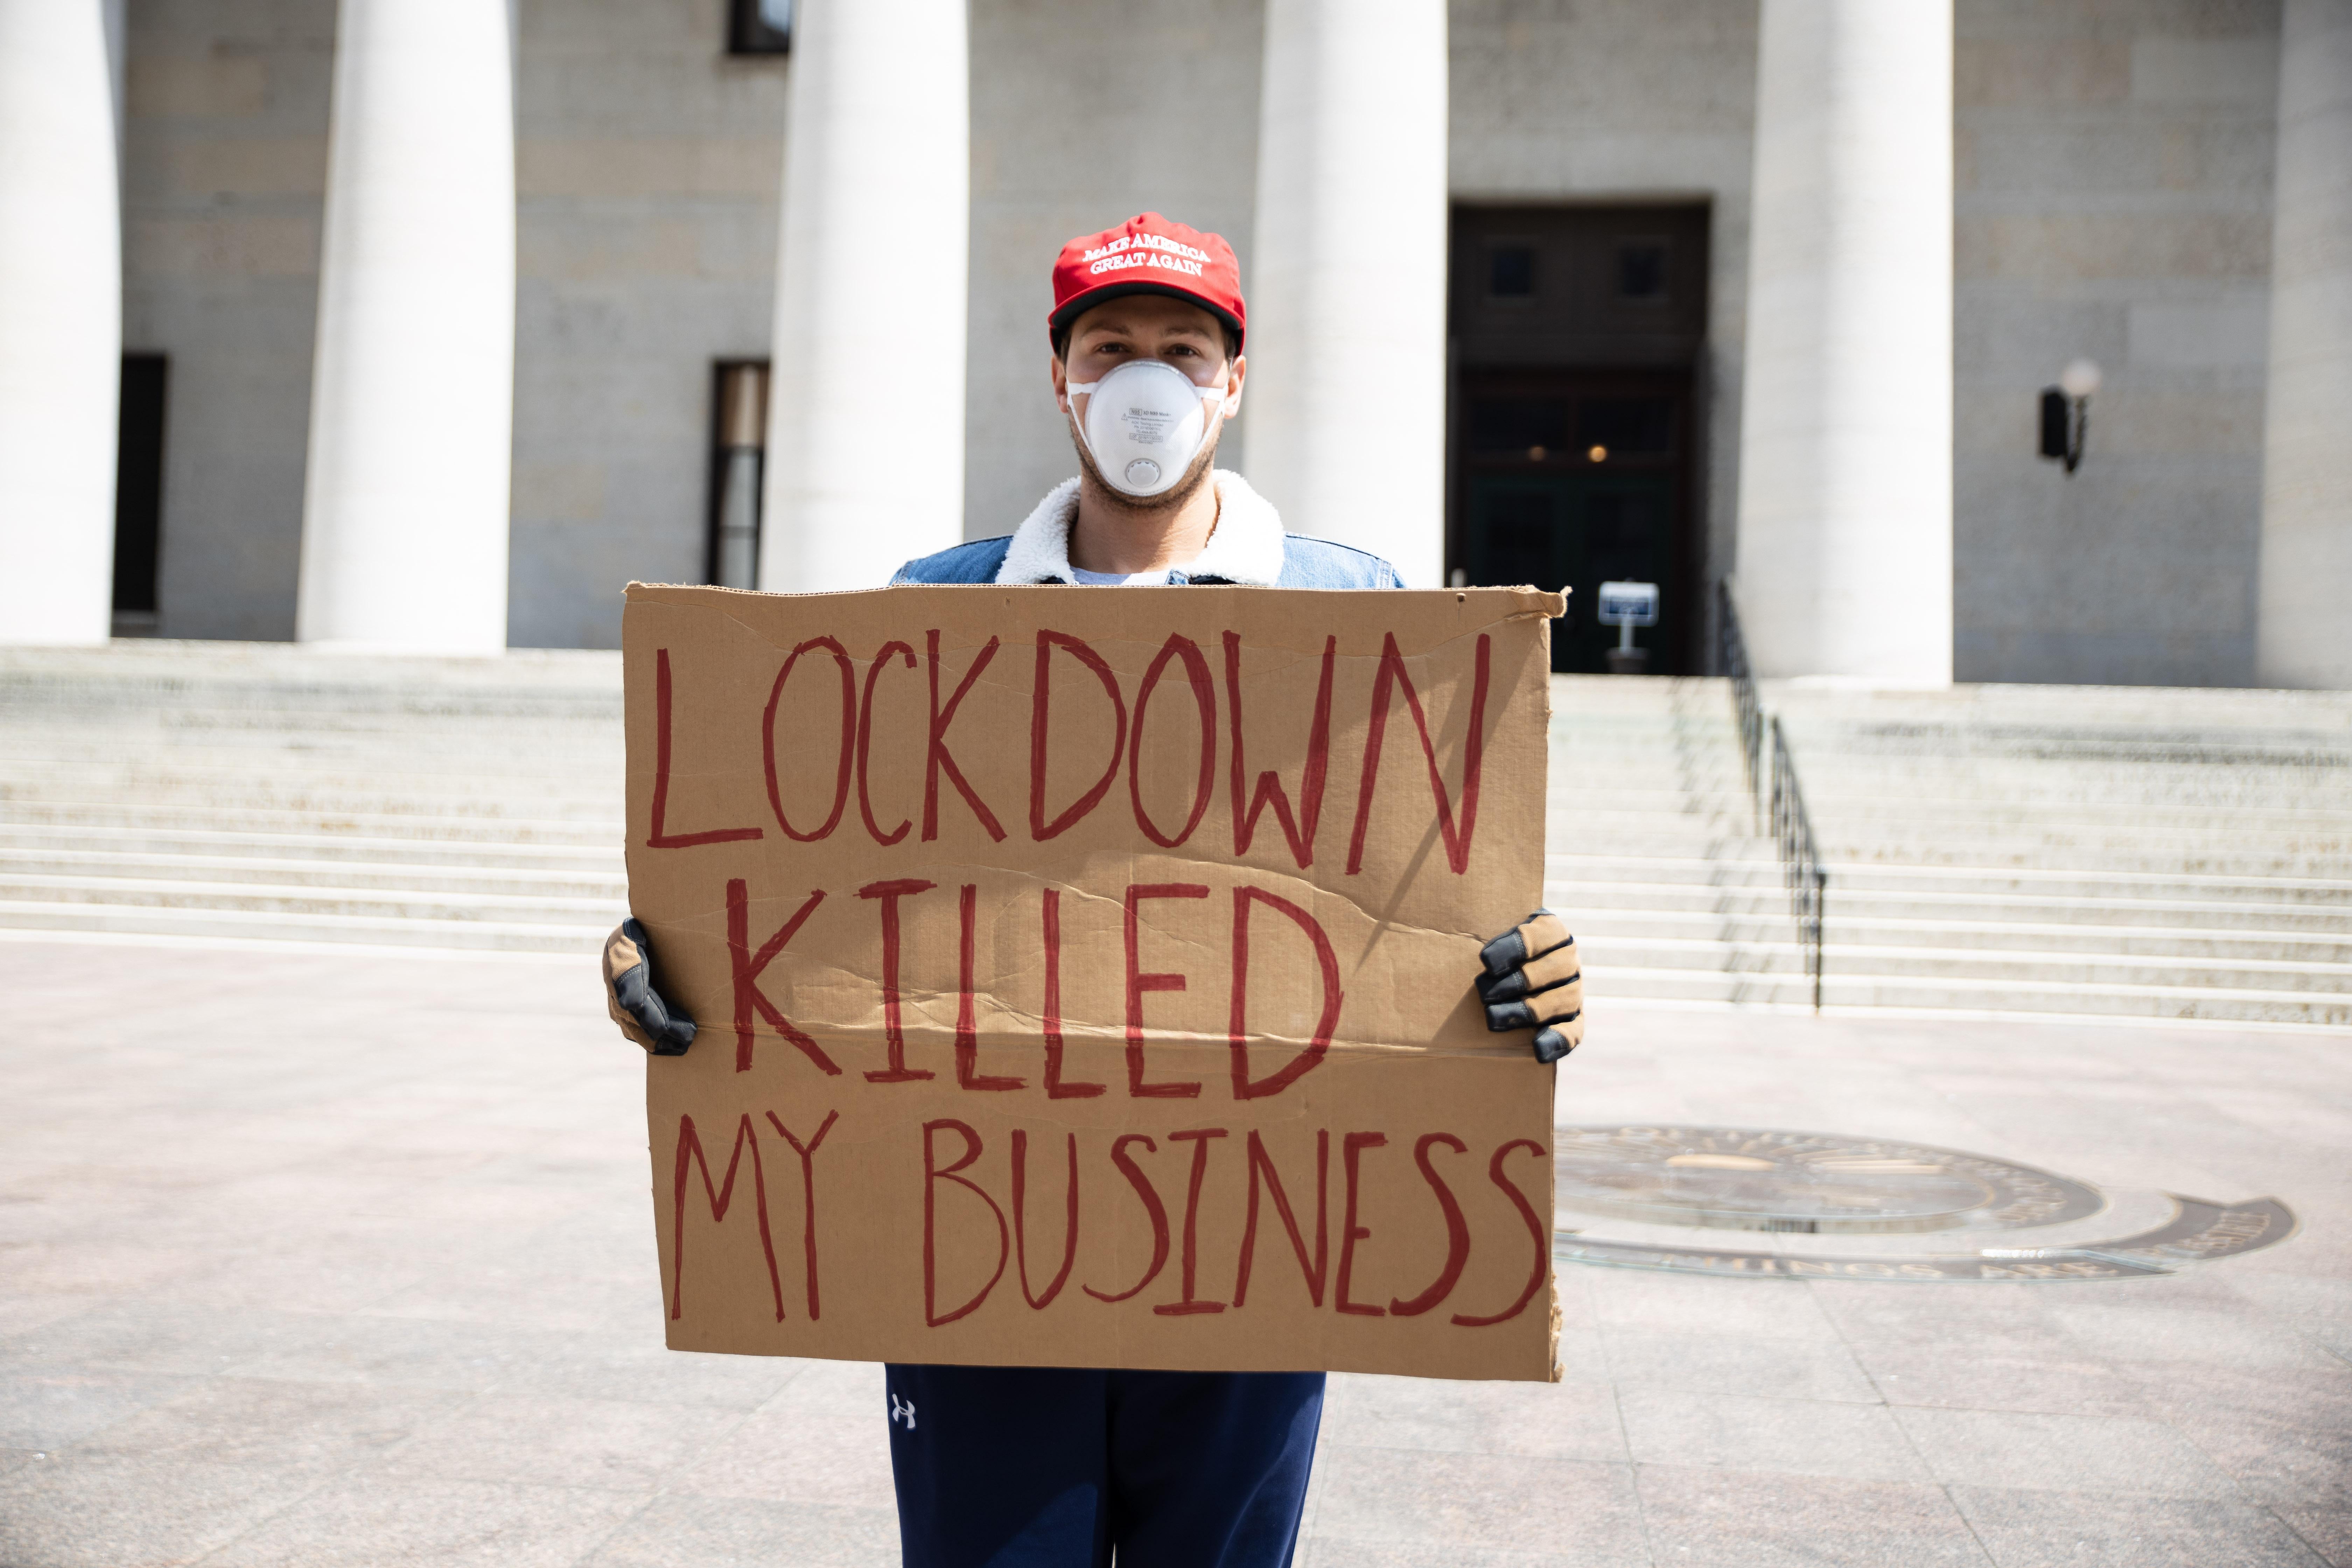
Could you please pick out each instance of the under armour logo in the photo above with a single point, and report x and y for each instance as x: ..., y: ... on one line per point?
x: 899, y: 1407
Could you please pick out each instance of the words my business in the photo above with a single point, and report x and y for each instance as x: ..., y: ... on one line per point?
x: 952, y: 1148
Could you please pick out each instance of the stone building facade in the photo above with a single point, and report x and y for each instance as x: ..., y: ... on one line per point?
x: 1916, y: 213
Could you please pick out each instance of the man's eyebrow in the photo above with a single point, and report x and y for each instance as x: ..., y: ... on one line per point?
x: 1115, y: 329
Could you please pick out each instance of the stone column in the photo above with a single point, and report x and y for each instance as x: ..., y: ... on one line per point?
x: 2304, y: 634
x: 864, y: 463
x: 412, y: 399
x: 60, y: 322
x: 1845, y: 486
x: 1346, y: 408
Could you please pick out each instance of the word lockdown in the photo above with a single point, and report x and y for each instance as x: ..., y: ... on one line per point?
x: 1100, y: 942
x: 853, y: 753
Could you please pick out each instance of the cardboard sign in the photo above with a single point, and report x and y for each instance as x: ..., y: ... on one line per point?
x: 1085, y: 976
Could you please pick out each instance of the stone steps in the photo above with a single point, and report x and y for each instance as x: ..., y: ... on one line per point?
x: 390, y: 835
x: 1745, y: 980
x: 316, y: 841
x: 1963, y: 939
x: 1960, y: 906
x: 266, y: 794
x: 1991, y: 851
x: 100, y: 868
x: 304, y: 899
x: 1860, y: 960
x: 431, y: 930
x: 224, y: 791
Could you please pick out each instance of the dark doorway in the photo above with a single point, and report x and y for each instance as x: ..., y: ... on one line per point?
x: 1573, y: 419
x: 1573, y: 479
x: 139, y: 493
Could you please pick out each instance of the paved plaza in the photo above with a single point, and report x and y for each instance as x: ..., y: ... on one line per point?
x: 321, y: 1260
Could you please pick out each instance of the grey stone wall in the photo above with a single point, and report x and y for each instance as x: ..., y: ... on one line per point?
x: 2113, y: 201
x: 2112, y: 193
x: 1142, y: 106
x: 225, y: 173
x: 647, y: 180
x: 1153, y: 107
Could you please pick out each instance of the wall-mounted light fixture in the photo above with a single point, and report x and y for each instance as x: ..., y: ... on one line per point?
x: 2067, y: 413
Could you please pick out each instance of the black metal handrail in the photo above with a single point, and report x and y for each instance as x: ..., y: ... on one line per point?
x: 1772, y: 784
x: 1800, y: 858
x: 1733, y: 649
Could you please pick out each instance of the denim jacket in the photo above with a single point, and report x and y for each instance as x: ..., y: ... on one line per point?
x: 1248, y: 547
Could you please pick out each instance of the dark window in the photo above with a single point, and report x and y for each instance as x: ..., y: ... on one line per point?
x: 758, y: 27
x: 1516, y: 424
x: 1642, y: 269
x: 1626, y: 424
x: 739, y: 440
x: 1511, y: 272
x: 139, y: 490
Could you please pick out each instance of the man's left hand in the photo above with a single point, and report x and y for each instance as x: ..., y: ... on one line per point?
x: 1534, y: 980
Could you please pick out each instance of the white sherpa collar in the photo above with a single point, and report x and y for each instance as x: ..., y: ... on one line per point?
x: 1245, y: 548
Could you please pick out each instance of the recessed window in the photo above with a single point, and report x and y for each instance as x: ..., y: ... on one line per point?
x: 738, y: 442
x: 1518, y: 423
x: 1511, y: 272
x: 1626, y: 425
x: 139, y: 493
x: 758, y: 27
x: 1642, y: 269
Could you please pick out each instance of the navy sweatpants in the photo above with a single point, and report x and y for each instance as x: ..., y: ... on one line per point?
x: 1053, y: 1467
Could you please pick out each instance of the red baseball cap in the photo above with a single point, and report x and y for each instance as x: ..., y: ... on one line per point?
x: 1148, y: 254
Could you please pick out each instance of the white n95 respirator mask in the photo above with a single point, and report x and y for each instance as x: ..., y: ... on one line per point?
x: 1145, y: 423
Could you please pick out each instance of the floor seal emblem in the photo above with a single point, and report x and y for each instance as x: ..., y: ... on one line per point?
x: 1802, y: 1185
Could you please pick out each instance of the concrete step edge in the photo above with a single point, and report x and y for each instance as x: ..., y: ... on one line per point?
x: 21, y: 916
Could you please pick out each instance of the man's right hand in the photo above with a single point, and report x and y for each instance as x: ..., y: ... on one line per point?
x: 629, y: 994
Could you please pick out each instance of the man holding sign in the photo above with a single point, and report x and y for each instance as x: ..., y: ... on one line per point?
x: 1105, y: 1434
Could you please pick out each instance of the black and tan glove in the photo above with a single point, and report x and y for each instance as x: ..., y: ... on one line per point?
x: 1533, y: 980
x: 659, y: 1025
